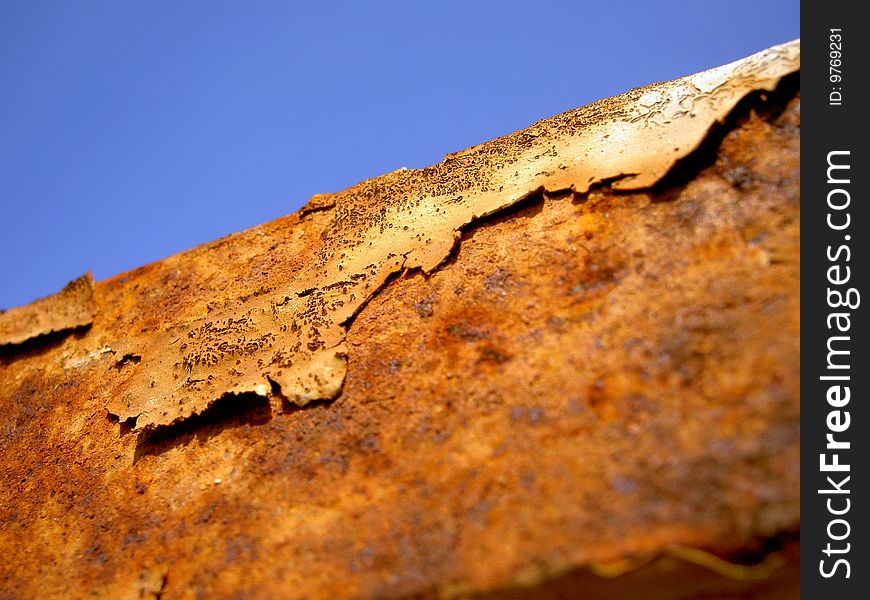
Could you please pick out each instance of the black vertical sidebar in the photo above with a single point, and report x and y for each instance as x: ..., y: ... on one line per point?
x: 835, y: 225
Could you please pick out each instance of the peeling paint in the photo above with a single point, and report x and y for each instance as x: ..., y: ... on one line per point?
x: 293, y: 335
x: 70, y: 308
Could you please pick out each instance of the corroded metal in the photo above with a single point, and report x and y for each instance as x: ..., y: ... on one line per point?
x: 558, y: 361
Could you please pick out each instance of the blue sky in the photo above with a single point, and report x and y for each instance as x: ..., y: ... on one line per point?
x: 130, y: 131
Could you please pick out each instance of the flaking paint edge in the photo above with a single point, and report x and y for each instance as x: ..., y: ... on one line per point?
x: 72, y: 307
x: 294, y: 335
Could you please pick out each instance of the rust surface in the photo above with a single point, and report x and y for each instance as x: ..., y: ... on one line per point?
x: 71, y: 308
x: 589, y: 389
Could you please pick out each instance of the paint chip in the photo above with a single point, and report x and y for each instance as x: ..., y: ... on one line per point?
x: 70, y: 308
x: 292, y: 336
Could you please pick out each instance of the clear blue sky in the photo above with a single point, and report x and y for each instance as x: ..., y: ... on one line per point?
x: 130, y: 131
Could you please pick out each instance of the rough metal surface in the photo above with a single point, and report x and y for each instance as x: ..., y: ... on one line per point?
x: 596, y: 391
